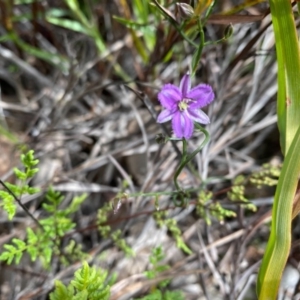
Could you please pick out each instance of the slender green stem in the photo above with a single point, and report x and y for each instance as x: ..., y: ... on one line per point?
x: 187, y: 158
x: 215, y: 42
x: 197, y: 55
x: 175, y: 24
x: 206, y: 140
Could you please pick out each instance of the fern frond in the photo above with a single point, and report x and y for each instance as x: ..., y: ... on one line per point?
x: 13, y: 252
x: 88, y: 284
x: 62, y: 292
x: 28, y: 159
x: 8, y: 204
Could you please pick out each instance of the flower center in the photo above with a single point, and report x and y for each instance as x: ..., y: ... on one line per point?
x: 184, y: 104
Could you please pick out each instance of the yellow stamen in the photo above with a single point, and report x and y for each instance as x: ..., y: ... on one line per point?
x: 182, y: 105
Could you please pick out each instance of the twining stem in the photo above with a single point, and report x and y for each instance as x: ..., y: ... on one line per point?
x: 187, y: 158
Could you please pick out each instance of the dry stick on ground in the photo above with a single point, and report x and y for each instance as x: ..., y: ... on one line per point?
x: 225, y: 132
x: 133, y: 289
x: 36, y: 75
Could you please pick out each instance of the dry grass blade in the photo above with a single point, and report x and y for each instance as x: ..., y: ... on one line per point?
x: 95, y: 133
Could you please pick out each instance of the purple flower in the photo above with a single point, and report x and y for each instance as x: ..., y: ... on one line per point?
x: 182, y: 106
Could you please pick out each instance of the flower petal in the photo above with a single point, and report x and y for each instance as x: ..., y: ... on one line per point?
x: 165, y: 116
x: 169, y: 96
x: 182, y: 125
x: 198, y: 116
x: 185, y: 84
x: 188, y: 128
x: 202, y: 95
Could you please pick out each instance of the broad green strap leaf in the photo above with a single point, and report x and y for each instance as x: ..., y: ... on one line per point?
x: 288, y: 56
x: 279, y: 242
x: 288, y: 106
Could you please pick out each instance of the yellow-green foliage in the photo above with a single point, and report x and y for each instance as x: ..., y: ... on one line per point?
x: 88, y: 284
x: 44, y: 241
x: 13, y: 191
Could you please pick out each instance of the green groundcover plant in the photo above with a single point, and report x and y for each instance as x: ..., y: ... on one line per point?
x: 47, y: 238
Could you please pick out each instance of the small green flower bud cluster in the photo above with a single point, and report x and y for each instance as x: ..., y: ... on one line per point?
x: 102, y: 217
x: 74, y: 251
x: 267, y: 176
x: 206, y: 208
x: 121, y: 243
x: 237, y: 193
x: 220, y: 213
x: 106, y: 231
x: 202, y: 210
x: 171, y: 224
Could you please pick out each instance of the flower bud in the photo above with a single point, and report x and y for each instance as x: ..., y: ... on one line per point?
x: 161, y: 139
x: 184, y: 11
x: 228, y: 32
